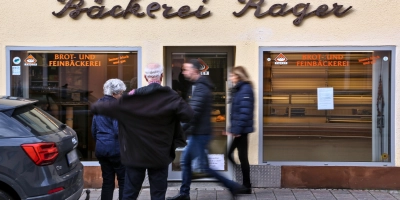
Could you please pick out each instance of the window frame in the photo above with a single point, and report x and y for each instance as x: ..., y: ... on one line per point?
x: 327, y: 48
x: 97, y: 49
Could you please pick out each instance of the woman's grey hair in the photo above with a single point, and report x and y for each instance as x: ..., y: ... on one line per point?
x: 113, y: 86
x: 153, y: 70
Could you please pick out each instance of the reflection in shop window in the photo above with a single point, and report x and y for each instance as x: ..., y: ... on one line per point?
x: 355, y: 130
x: 66, y: 83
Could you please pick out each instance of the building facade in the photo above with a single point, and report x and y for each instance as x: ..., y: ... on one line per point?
x: 324, y: 75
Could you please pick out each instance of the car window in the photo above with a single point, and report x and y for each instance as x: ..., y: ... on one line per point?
x: 38, y: 121
x: 9, y: 127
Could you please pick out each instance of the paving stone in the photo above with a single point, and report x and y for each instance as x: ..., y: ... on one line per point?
x: 144, y: 194
x: 305, y: 197
x: 246, y: 197
x: 264, y: 194
x: 340, y: 191
x: 223, y: 195
x: 207, y: 194
x: 344, y: 196
x: 193, y: 194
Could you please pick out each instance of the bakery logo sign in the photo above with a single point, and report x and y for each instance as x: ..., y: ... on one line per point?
x: 30, y: 61
x: 281, y: 60
x: 204, y: 67
x: 301, y: 11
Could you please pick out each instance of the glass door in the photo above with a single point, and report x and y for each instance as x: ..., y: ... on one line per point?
x: 219, y: 61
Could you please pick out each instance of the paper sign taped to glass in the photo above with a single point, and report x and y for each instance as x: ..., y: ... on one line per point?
x: 325, y: 98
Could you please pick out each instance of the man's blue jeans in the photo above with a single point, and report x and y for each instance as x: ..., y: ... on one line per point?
x: 196, y: 147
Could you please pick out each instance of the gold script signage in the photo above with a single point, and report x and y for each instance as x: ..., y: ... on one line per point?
x: 300, y: 10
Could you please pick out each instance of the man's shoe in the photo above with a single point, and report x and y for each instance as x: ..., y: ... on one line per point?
x: 179, y: 197
x: 198, y: 175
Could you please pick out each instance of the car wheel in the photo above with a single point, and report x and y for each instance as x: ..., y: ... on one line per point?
x: 5, y: 196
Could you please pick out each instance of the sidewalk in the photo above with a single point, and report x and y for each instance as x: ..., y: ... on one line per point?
x: 213, y: 191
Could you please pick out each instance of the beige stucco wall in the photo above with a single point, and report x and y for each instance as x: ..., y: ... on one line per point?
x: 370, y: 23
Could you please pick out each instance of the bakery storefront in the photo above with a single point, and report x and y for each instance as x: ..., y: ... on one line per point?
x: 324, y: 75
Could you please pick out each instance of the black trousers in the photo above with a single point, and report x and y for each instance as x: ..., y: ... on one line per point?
x: 241, y: 143
x: 111, y: 166
x: 134, y: 180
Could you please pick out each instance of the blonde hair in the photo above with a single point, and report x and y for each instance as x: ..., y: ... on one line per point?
x: 240, y: 71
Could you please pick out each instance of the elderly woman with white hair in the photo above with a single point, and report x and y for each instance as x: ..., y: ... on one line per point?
x: 105, y: 133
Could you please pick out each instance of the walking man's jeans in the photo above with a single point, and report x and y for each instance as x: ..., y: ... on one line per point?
x: 111, y: 166
x: 134, y: 181
x: 196, y: 147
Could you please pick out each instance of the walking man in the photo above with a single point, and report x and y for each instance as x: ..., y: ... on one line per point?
x: 199, y: 131
x: 150, y: 131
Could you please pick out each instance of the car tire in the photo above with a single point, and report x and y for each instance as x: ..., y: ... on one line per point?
x: 5, y: 196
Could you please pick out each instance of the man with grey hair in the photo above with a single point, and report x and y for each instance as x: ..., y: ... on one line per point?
x: 149, y: 121
x: 105, y: 133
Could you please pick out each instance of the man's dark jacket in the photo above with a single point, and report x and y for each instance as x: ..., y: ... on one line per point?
x: 201, y: 103
x: 242, y: 109
x: 148, y: 125
x: 105, y: 133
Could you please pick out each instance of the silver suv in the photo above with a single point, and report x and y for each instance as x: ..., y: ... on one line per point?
x: 38, y: 155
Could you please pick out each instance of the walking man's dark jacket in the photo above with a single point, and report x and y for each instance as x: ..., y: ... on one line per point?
x: 201, y: 103
x: 148, y: 125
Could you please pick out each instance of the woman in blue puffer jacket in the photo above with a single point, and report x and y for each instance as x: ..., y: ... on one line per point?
x: 241, y: 120
x: 105, y: 133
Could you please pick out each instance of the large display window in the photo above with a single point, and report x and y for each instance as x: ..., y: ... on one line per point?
x: 326, y: 105
x: 65, y: 82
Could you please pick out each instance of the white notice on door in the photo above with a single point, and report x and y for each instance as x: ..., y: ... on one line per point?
x: 16, y: 70
x: 216, y: 161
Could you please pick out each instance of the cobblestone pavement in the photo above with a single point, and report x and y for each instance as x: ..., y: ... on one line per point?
x: 206, y: 191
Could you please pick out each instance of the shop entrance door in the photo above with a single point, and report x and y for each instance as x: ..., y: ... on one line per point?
x: 219, y: 61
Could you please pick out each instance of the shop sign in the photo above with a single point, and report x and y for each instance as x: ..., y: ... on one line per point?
x: 281, y: 60
x: 30, y: 61
x: 300, y: 10
x: 74, y: 60
x: 323, y: 60
x: 204, y: 67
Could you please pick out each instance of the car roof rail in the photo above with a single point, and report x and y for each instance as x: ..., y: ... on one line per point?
x: 10, y: 97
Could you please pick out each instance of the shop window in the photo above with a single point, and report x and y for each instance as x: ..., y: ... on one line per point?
x: 65, y: 83
x: 326, y: 106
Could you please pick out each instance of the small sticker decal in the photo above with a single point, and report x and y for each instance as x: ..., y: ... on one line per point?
x: 281, y: 60
x: 16, y: 60
x: 30, y: 61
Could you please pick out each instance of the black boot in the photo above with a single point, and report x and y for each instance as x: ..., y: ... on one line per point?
x: 248, y: 188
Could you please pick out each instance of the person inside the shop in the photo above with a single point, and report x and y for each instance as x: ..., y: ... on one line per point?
x: 149, y: 124
x: 105, y: 133
x: 198, y: 132
x: 241, y: 120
